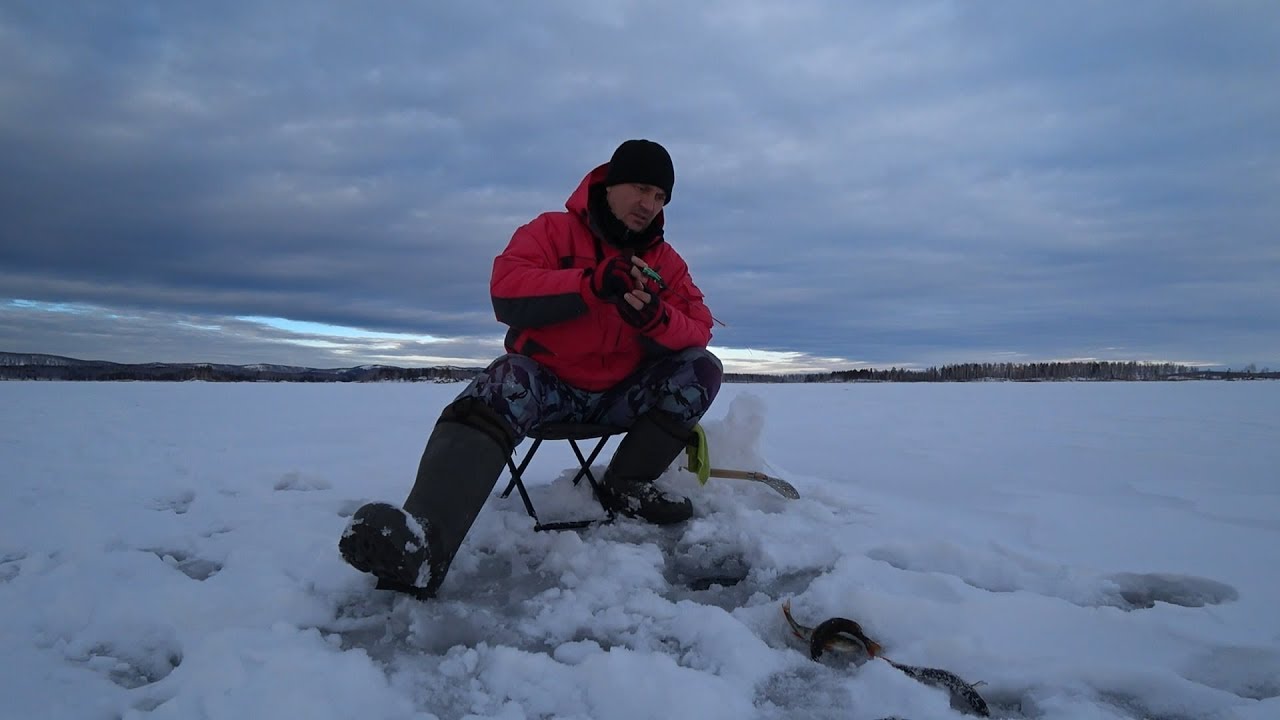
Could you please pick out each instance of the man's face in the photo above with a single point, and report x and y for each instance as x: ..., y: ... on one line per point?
x: 635, y: 204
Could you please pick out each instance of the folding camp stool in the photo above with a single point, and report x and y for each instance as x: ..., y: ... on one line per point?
x: 573, y: 432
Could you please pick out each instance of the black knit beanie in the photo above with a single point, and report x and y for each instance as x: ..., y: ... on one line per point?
x: 642, y: 161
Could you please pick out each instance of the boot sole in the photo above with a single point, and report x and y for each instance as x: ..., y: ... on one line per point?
x: 374, y: 543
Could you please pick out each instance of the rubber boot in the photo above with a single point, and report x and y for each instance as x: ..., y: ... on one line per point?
x: 410, y: 549
x: 646, y: 451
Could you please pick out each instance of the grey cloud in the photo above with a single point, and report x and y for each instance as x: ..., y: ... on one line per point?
x: 871, y: 183
x: 175, y: 336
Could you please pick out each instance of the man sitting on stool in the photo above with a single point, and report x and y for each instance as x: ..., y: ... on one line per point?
x: 605, y: 327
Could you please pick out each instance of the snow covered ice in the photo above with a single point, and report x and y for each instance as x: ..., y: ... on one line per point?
x: 1082, y: 550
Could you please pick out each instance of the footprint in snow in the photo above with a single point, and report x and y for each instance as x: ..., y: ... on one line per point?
x: 11, y: 565
x: 1144, y: 590
x: 144, y: 662
x: 177, y: 504
x: 196, y: 568
x: 1002, y: 570
x: 298, y: 482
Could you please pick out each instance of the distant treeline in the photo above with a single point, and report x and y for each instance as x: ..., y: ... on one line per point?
x: 49, y: 367
x: 15, y: 366
x: 1022, y: 372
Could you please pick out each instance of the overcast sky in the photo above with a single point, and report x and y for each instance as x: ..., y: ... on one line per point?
x: 882, y: 183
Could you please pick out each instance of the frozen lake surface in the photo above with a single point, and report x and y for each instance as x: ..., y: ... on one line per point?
x: 1082, y: 550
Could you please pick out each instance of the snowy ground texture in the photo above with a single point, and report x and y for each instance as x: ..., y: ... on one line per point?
x: 1083, y: 550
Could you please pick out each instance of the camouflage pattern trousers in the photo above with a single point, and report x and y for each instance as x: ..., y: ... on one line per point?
x: 527, y: 394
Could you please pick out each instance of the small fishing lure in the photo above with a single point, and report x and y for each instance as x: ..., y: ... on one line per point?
x: 654, y: 276
x: 662, y: 284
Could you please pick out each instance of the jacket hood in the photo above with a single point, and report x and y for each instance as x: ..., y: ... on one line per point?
x: 579, y: 202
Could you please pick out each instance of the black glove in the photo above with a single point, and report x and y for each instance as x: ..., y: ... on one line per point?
x: 612, y: 279
x: 647, y: 317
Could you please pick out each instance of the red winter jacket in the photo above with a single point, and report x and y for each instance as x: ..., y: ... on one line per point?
x: 541, y: 290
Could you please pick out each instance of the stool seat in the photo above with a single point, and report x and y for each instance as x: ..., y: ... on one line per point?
x: 572, y: 432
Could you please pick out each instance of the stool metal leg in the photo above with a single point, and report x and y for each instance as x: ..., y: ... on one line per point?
x: 585, y: 463
x: 584, y: 469
x: 517, y: 480
x: 591, y: 478
x: 517, y: 473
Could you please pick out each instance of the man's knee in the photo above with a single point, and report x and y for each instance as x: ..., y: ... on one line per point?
x: 693, y: 385
x: 477, y: 413
x: 514, y: 388
x: 701, y: 355
x: 708, y: 371
x: 509, y: 376
x: 512, y: 369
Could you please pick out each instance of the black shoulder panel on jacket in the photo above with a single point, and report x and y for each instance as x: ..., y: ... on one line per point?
x: 532, y: 312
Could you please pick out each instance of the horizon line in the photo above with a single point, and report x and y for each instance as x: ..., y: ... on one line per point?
x: 857, y: 366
